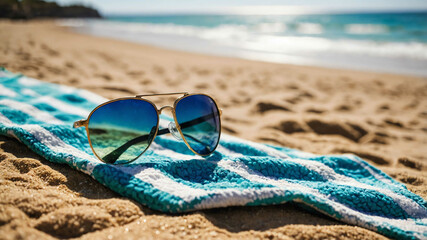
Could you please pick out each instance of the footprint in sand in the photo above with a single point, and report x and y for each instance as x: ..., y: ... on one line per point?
x: 221, y: 84
x: 158, y: 70
x: 73, y: 80
x: 344, y: 108
x: 393, y: 122
x: 135, y: 73
x: 49, y: 51
x: 315, y: 111
x: 74, y: 221
x: 228, y: 129
x: 291, y: 126
x: 120, y: 89
x: 366, y: 155
x: 411, y: 163
x: 201, y: 71
x: 350, y: 131
x: 146, y: 81
x: 202, y: 86
x: 383, y: 107
x: 70, y: 65
x: 404, y: 177
x: 263, y: 107
x: 104, y: 76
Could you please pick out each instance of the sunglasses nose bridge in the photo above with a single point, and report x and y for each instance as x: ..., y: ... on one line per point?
x: 165, y: 107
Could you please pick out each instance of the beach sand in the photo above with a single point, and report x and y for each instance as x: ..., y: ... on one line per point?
x: 379, y: 117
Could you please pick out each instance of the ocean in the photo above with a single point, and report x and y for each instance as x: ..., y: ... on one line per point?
x: 380, y: 42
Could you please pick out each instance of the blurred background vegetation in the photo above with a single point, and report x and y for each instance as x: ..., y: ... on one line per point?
x: 29, y: 9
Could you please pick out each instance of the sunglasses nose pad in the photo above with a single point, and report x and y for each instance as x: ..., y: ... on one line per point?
x: 174, y: 131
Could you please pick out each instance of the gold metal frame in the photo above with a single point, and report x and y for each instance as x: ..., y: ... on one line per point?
x: 85, y: 122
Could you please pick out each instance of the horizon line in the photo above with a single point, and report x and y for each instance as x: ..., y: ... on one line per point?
x: 264, y: 10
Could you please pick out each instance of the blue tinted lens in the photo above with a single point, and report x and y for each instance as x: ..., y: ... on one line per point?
x: 198, y: 117
x: 122, y: 130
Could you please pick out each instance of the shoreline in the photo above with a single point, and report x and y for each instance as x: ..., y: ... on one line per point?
x: 380, y: 117
x: 394, y: 57
x: 54, y: 24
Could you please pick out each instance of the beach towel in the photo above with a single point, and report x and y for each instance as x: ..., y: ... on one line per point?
x: 168, y: 177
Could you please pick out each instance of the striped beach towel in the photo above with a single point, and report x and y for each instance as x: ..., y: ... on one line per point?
x: 170, y: 178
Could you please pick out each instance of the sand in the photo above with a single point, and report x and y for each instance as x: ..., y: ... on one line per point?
x: 380, y: 117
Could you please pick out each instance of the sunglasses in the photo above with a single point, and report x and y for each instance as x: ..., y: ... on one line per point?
x: 121, y: 130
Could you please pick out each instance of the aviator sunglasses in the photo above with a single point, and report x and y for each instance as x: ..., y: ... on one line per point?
x: 121, y: 130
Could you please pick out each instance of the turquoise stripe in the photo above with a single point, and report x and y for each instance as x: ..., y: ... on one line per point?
x: 17, y: 116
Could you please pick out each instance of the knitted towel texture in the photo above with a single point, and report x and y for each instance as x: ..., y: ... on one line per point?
x: 170, y: 178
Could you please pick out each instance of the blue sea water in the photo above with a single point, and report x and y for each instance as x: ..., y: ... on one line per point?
x: 382, y: 42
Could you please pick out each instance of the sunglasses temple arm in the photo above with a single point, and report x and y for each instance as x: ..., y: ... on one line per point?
x: 197, y: 120
x: 114, y: 155
x: 194, y: 139
x: 80, y: 123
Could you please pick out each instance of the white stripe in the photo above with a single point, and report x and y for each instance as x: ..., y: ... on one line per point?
x: 66, y: 89
x: 367, y: 168
x: 62, y: 106
x: 156, y: 178
x: 219, y: 197
x: 58, y: 146
x: 29, y: 82
x: 31, y: 110
x: 225, y: 151
x: 158, y: 149
x: 29, y: 92
x: 91, y: 97
x: 238, y: 197
x: 5, y: 74
x: 53, y: 142
x: 242, y: 170
x: 12, y: 134
x: 7, y: 92
x: 163, y: 123
x: 167, y: 117
x: 5, y: 121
